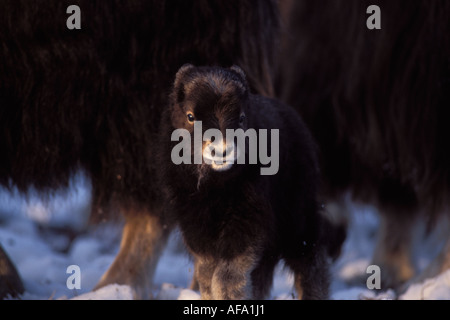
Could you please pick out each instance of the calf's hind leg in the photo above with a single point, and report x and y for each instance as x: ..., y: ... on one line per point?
x: 262, y: 276
x: 143, y: 239
x: 310, y: 275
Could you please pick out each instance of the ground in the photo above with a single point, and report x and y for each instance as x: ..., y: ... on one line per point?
x: 44, y: 237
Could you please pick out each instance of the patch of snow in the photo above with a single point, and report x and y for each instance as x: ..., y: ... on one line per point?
x: 110, y: 292
x: 42, y: 257
x: 170, y: 292
x: 437, y: 288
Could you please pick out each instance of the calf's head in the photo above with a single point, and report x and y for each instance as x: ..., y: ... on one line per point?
x: 208, y: 102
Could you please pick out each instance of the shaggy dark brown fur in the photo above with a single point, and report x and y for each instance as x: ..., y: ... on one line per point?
x: 91, y: 99
x: 10, y: 283
x: 238, y: 223
x: 377, y: 101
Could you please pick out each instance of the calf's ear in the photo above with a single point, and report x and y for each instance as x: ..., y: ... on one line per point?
x: 242, y: 77
x: 179, y: 78
x: 239, y: 71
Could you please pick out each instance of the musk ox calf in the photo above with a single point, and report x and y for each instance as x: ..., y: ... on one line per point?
x: 238, y: 220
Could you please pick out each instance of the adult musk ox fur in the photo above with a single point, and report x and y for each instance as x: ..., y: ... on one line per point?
x: 377, y: 101
x: 236, y: 222
x: 91, y: 99
x: 10, y: 283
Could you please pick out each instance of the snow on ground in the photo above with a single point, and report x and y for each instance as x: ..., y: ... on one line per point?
x: 44, y: 237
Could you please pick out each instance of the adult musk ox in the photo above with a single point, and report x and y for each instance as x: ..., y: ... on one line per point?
x: 238, y: 220
x: 377, y: 101
x: 91, y: 99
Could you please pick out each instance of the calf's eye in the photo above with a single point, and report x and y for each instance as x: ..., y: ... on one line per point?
x: 190, y: 117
